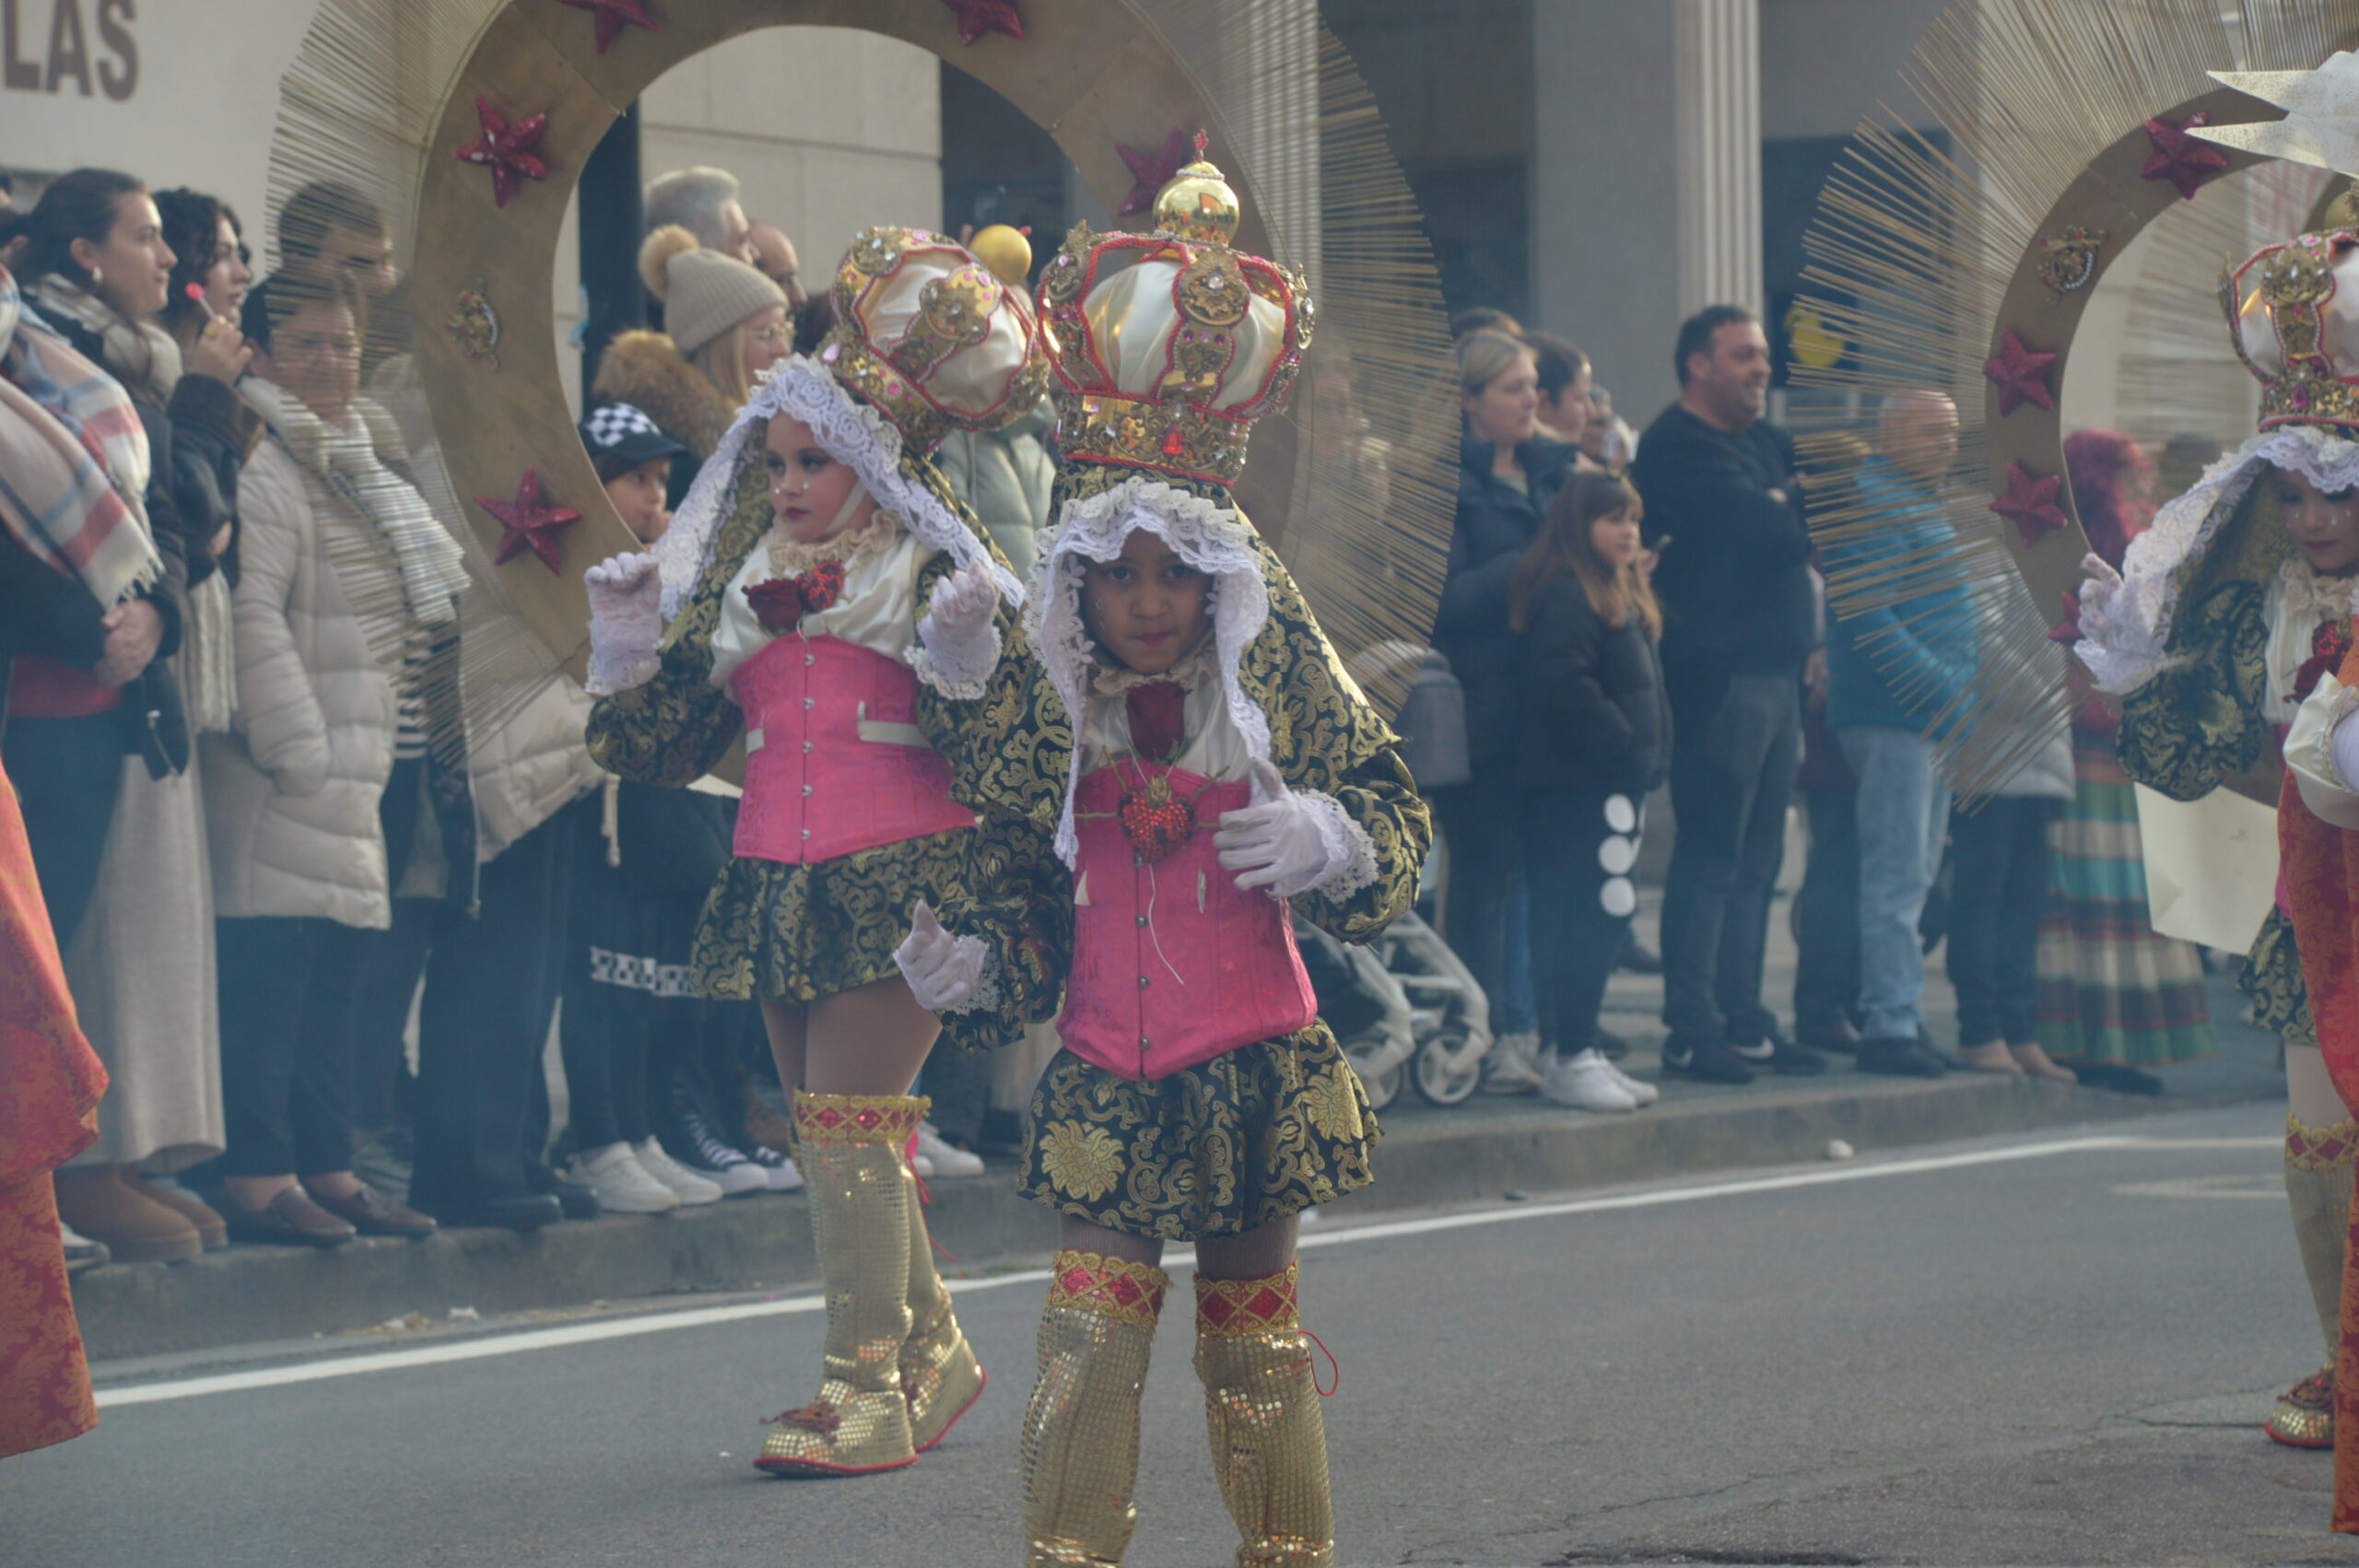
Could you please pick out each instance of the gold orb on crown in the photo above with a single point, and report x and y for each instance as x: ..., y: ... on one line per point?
x: 1197, y: 203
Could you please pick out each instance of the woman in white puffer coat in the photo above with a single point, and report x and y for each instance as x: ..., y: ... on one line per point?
x: 343, y: 573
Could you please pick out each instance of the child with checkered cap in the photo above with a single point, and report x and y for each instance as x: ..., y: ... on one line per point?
x: 634, y: 463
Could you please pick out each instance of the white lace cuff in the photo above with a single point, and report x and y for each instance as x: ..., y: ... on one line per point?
x: 958, y: 667
x: 985, y: 996
x: 610, y: 674
x: 1350, y: 861
x: 2318, y: 753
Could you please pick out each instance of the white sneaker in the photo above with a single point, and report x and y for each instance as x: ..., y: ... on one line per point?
x: 1586, y: 1083
x: 923, y: 1165
x: 1638, y: 1089
x: 945, y: 1159
x: 622, y: 1183
x: 1513, y: 1065
x: 692, y: 1188
x: 777, y: 1169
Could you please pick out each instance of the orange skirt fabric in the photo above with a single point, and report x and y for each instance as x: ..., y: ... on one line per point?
x: 47, y: 1116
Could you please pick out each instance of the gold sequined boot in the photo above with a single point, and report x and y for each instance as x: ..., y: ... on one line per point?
x: 1081, y: 1431
x: 1262, y: 1404
x: 851, y: 1147
x: 2319, y: 1161
x: 940, y: 1377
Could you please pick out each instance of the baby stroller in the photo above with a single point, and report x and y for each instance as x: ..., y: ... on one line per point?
x: 1403, y: 1007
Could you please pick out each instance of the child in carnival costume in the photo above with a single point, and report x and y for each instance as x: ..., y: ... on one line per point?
x: 2230, y: 611
x: 1182, y: 765
x: 822, y: 594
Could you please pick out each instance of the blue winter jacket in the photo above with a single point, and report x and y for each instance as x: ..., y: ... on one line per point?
x: 1904, y: 664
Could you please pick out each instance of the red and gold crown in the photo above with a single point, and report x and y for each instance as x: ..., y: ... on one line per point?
x: 2294, y: 316
x: 931, y: 337
x: 1167, y: 347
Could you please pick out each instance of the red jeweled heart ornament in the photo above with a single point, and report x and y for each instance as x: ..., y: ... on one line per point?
x: 1156, y: 820
x: 2330, y: 645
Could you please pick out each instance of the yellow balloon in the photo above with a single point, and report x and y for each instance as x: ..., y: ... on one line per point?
x: 1005, y: 251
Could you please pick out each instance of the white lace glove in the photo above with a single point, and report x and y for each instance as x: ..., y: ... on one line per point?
x: 944, y: 972
x: 1286, y: 842
x: 960, y: 640
x: 2096, y: 597
x: 626, y: 623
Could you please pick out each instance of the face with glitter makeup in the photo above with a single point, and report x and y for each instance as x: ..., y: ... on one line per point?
x: 809, y: 488
x: 2324, y: 525
x: 1147, y: 607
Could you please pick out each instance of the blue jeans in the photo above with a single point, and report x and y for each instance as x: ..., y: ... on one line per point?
x: 1516, y: 1009
x: 1904, y: 813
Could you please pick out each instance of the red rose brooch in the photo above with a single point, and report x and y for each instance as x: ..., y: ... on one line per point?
x: 2330, y: 645
x: 781, y: 602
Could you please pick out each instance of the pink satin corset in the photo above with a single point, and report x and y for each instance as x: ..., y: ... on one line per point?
x: 835, y: 761
x: 1173, y: 963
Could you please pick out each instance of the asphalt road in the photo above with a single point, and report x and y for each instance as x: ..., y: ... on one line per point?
x: 2043, y: 1350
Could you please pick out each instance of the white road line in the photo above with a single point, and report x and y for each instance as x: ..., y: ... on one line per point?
x: 1340, y: 1236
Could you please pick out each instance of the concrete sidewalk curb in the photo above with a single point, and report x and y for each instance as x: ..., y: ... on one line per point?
x: 247, y: 1294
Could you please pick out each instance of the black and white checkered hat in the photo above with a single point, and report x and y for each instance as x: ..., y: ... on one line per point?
x: 621, y: 431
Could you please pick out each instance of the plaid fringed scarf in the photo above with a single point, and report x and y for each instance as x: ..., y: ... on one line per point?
x: 73, y: 460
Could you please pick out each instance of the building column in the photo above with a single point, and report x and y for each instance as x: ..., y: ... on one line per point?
x: 1717, y: 45
x: 1646, y: 203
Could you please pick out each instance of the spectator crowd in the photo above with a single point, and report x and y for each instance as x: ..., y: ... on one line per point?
x: 322, y: 916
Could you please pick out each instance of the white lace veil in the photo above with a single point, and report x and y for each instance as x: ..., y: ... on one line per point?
x: 2137, y: 646
x: 1208, y: 537
x: 853, y: 432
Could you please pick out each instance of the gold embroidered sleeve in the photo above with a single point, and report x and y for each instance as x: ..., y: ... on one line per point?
x: 1382, y: 798
x: 1017, y: 897
x: 2198, y: 723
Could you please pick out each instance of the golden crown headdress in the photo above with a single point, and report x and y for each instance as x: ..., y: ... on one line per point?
x: 1167, y: 347
x: 931, y: 337
x: 2292, y: 314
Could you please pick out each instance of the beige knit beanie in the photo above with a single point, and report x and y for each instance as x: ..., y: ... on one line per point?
x: 704, y: 292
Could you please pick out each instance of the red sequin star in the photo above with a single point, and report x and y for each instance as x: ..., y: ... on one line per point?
x: 2068, y: 630
x: 2021, y: 376
x: 2031, y: 504
x: 613, y: 14
x: 977, y: 17
x: 1151, y: 172
x: 2184, y: 161
x: 506, y: 150
x: 528, y: 523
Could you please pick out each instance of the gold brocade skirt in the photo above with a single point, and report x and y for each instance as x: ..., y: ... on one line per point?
x: 2272, y: 982
x: 774, y: 933
x: 1266, y: 1130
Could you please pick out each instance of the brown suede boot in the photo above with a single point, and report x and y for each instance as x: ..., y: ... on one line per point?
x: 137, y: 1229
x: 211, y: 1229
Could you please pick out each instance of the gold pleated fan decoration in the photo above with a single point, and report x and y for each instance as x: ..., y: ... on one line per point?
x: 358, y: 106
x: 1919, y: 239
x: 1361, y: 513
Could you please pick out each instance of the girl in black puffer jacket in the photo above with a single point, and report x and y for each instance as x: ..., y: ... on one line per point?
x: 1595, y: 739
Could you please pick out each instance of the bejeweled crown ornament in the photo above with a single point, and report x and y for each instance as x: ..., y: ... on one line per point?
x: 1168, y: 346
x: 2292, y: 314
x: 931, y: 337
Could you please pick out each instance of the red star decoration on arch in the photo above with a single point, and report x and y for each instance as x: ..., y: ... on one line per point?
x: 528, y: 523
x: 2032, y: 505
x: 2185, y: 161
x: 977, y: 17
x: 506, y: 150
x: 2068, y: 630
x: 613, y: 16
x: 1151, y: 172
x: 2021, y: 376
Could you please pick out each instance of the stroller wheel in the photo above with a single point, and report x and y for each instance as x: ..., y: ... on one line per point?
x: 1430, y: 1071
x: 1381, y: 1083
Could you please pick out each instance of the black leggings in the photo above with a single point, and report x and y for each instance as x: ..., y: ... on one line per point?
x: 1580, y: 848
x: 1478, y: 821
